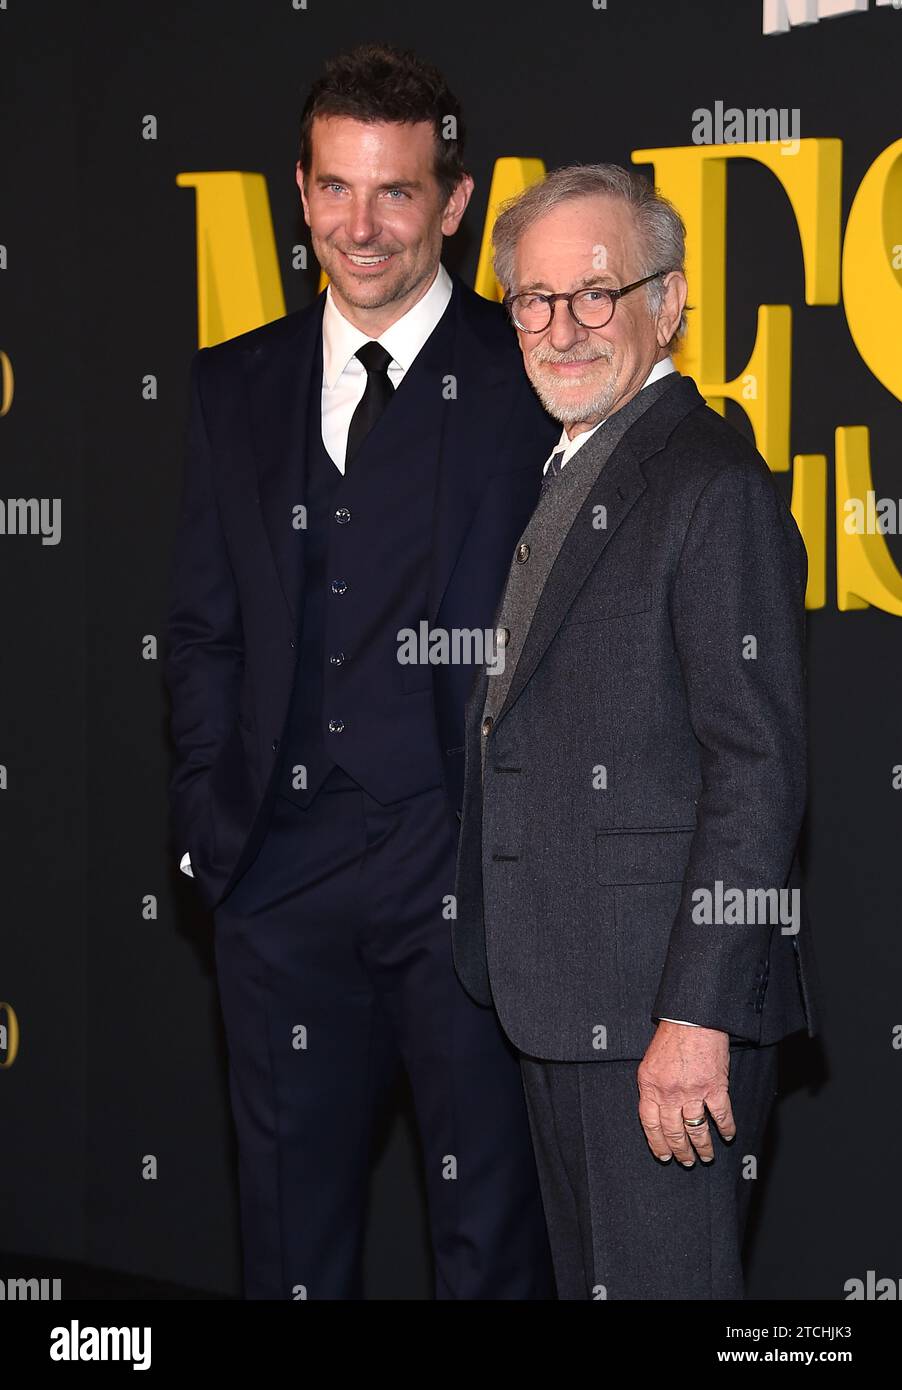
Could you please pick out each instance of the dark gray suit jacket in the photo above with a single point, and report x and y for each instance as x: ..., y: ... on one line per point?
x: 641, y: 754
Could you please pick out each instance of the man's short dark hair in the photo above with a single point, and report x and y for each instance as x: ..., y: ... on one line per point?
x: 376, y: 82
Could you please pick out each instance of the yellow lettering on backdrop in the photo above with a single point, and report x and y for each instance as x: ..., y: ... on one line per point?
x: 872, y: 269
x: 238, y: 282
x: 239, y: 288
x: 694, y: 177
x: 865, y: 573
x: 809, y: 507
x: 7, y: 383
x: 872, y: 281
x: 510, y: 177
x: 12, y: 1035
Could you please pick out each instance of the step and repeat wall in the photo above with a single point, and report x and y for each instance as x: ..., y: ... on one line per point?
x: 148, y: 205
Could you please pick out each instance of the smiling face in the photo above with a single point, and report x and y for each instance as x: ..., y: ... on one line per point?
x: 581, y: 375
x: 377, y: 215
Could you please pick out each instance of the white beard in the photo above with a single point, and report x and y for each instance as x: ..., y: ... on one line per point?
x: 559, y: 401
x: 563, y: 407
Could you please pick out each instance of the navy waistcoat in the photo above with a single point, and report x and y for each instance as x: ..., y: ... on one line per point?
x: 367, y: 550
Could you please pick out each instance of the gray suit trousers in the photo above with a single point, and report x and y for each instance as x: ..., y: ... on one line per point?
x: 623, y: 1225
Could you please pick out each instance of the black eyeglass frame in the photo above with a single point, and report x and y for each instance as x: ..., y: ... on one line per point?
x: 550, y: 300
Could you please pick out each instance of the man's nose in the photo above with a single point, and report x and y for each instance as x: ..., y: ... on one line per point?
x: 362, y: 223
x: 564, y: 330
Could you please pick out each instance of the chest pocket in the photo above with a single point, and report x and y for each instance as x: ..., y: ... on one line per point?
x: 642, y: 856
x: 617, y: 603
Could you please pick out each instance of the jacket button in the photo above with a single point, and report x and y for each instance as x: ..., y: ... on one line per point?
x: 487, y: 724
x: 339, y: 586
x: 336, y: 726
x: 342, y: 516
x: 275, y: 744
x: 291, y: 644
x: 336, y: 658
x: 522, y: 552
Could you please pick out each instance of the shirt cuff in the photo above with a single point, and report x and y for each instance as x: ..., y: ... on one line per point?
x: 680, y: 1020
x: 185, y: 865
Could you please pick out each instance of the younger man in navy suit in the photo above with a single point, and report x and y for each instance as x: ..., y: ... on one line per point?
x: 354, y: 469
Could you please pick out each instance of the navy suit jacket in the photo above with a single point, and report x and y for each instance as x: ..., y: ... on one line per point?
x: 236, y: 585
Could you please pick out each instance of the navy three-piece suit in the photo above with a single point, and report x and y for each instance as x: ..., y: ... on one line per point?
x: 318, y: 786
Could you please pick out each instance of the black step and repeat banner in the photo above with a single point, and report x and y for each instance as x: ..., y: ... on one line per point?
x: 148, y: 204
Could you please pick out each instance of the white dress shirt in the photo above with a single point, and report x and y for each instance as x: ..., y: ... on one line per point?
x: 344, y: 375
x: 570, y: 446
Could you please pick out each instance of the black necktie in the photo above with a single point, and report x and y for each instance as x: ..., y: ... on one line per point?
x: 553, y: 471
x: 378, y: 393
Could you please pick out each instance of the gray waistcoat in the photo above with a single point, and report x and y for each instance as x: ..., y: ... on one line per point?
x: 546, y: 529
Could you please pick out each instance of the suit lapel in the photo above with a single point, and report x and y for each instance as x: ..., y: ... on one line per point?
x: 463, y: 471
x: 278, y: 392
x: 618, y: 487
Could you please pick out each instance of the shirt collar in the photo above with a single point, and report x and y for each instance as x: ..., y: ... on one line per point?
x: 402, y: 340
x: 570, y: 446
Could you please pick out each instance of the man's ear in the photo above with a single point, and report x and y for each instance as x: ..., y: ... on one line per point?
x: 302, y: 189
x: 674, y: 302
x: 456, y: 205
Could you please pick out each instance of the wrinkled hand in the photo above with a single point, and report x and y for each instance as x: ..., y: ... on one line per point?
x: 683, y: 1072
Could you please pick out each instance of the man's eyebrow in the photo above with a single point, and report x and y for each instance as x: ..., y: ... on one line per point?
x: 600, y: 278
x: 388, y: 183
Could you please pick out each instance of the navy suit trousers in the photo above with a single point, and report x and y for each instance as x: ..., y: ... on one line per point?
x: 333, y: 958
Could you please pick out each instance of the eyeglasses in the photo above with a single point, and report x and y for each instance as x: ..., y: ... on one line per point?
x: 592, y: 308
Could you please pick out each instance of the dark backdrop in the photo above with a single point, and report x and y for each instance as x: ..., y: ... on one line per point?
x: 122, y: 1054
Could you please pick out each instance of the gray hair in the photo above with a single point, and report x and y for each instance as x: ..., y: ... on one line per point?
x: 661, y: 232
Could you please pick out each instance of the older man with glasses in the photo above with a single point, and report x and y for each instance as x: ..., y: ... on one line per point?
x: 636, y: 763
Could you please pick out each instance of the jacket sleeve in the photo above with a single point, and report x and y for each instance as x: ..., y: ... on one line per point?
x: 737, y: 610
x: 205, y: 649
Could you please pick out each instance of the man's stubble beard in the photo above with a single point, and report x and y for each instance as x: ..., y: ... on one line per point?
x: 383, y: 292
